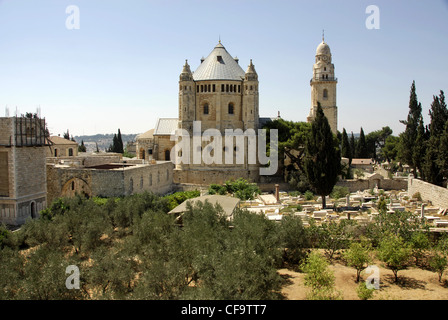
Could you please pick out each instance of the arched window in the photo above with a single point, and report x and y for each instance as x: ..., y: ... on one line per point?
x: 206, y: 108
x: 231, y: 109
x: 167, y: 155
x: 325, y: 94
x: 70, y: 152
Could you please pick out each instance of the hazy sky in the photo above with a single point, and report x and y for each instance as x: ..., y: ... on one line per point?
x: 121, y: 68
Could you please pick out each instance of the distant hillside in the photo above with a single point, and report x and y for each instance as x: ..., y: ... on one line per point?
x: 103, y: 140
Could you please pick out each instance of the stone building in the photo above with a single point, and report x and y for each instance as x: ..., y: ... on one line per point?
x: 107, y: 176
x: 23, y: 145
x: 61, y: 147
x: 144, y: 145
x: 219, y: 95
x: 323, y: 86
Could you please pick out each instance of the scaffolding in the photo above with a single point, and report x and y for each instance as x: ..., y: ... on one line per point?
x: 28, y: 132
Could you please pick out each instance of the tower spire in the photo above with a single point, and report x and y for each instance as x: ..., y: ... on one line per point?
x: 323, y: 35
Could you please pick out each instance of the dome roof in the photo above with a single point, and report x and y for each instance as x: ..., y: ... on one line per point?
x: 323, y: 48
x: 219, y: 65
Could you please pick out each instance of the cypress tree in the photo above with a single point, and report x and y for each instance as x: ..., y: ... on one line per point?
x: 419, y: 150
x: 322, y: 161
x: 438, y: 115
x: 345, y: 146
x: 352, y: 148
x: 362, y: 146
x: 82, y: 147
x: 442, y: 160
x: 409, y: 136
x: 120, y: 147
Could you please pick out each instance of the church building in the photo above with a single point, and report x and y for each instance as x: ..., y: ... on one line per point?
x: 221, y: 95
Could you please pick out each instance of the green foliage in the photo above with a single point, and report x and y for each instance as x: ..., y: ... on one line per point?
x: 322, y: 162
x: 361, y: 147
x: 239, y: 188
x: 129, y: 248
x: 217, y: 189
x: 177, y: 198
x: 4, y: 235
x: 346, y: 152
x: 419, y: 243
x: 334, y: 236
x: 391, y: 148
x: 319, y: 278
x: 409, y: 136
x: 82, y: 147
x: 294, y: 240
x: 376, y: 141
x: 402, y: 224
x: 394, y: 252
x: 308, y: 195
x: 363, y: 292
x: 117, y: 143
x: 358, y: 256
x: 339, y: 192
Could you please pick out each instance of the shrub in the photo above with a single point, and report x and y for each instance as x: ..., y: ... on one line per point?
x: 363, y: 292
x: 309, y: 195
x: 319, y: 278
x: 339, y: 192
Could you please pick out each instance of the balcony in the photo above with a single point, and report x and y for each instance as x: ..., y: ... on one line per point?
x: 322, y: 78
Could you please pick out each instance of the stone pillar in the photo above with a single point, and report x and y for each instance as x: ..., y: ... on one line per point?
x: 277, y: 196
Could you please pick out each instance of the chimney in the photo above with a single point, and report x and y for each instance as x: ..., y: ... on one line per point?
x: 277, y: 197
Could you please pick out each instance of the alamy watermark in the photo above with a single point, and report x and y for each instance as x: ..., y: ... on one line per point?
x: 373, y: 20
x: 373, y: 280
x: 72, y: 281
x: 73, y: 20
x: 235, y: 147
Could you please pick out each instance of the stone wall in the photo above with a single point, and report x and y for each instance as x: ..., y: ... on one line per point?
x: 216, y: 176
x: 429, y: 192
x: 67, y: 181
x: 354, y: 185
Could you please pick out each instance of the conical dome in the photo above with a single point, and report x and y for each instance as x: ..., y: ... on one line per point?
x: 186, y: 74
x: 219, y: 65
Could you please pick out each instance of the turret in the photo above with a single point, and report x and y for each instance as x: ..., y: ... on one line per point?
x: 186, y: 98
x: 250, y: 98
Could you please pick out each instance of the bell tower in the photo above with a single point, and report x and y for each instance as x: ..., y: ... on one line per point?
x: 323, y: 86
